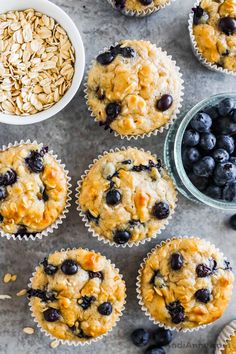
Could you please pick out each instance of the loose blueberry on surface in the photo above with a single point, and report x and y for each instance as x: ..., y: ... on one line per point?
x: 207, y: 141
x: 121, y: 237
x: 164, y: 103
x: 154, y: 350
x: 105, y: 58
x: 86, y: 301
x: 204, y: 167
x: 49, y: 269
x: 113, y: 109
x: 45, y: 296
x: 214, y: 192
x: 229, y: 192
x: 226, y: 142
x: 191, y: 137
x: 176, y: 261
x: 3, y: 192
x: 202, y: 122
x: 232, y: 221
x: 140, y: 337
x: 113, y: 197
x: 220, y: 155
x: 105, y: 309
x: 146, y: 2
x: 51, y: 315
x: 120, y: 4
x: 9, y: 178
x: 227, y: 25
x: 93, y: 275
x: 69, y: 267
x: 162, y: 337
x: 176, y: 311
x: 224, y: 173
x: 200, y: 183
x: 203, y: 295
x: 161, y: 210
x: 226, y: 106
x: 203, y: 270
x: 35, y: 162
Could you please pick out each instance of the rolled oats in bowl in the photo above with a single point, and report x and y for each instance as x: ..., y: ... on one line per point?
x: 36, y: 62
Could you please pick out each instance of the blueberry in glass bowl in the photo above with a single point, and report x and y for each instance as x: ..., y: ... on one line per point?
x: 200, y: 152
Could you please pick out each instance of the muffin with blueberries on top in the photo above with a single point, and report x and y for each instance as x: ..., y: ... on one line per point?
x: 214, y: 32
x: 134, y: 88
x: 127, y: 196
x: 139, y: 7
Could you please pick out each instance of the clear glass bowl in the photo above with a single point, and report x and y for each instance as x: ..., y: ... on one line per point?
x: 173, y: 159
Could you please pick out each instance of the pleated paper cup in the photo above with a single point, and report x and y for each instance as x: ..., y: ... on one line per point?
x: 73, y: 342
x: 62, y: 216
x: 88, y: 224
x: 224, y: 336
x: 197, y: 53
x: 139, y: 291
x: 155, y: 131
x: 140, y: 13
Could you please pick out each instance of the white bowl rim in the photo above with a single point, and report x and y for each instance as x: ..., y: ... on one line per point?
x: 50, y: 9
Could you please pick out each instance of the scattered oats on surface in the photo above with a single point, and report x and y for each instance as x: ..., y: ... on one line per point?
x: 21, y: 292
x: 8, y: 277
x: 54, y: 344
x: 36, y: 62
x: 4, y: 297
x: 28, y: 330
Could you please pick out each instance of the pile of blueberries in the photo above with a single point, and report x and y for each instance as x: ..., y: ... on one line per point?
x: 160, y: 337
x: 209, y: 150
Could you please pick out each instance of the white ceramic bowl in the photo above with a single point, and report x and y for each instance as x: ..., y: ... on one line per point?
x: 52, y: 10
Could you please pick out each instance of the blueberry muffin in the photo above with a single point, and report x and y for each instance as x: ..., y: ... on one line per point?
x: 230, y: 346
x: 139, y: 6
x: 76, y: 295
x: 134, y: 88
x: 33, y: 189
x: 127, y: 196
x: 185, y: 283
x: 214, y: 29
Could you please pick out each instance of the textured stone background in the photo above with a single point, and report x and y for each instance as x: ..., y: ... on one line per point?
x: 78, y: 140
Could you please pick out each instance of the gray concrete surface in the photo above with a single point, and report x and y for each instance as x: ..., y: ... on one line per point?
x: 77, y: 139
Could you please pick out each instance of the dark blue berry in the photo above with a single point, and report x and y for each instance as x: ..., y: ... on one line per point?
x: 105, y: 58
x: 228, y: 25
x: 198, y: 14
x: 154, y: 350
x: 146, y: 2
x: 8, y: 178
x: 214, y: 191
x: 69, y: 267
x: 51, y: 315
x: 3, y: 192
x: 121, y: 237
x: 45, y: 296
x: 199, y: 182
x: 220, y: 155
x: 201, y: 122
x: 127, y: 52
x: 226, y: 106
x: 232, y: 221
x: 225, y: 126
x: 176, y: 261
x: 233, y: 115
x: 49, y: 269
x: 35, y: 162
x: 212, y: 112
x: 203, y: 295
x: 176, y: 311
x: 161, y: 210
x: 232, y: 160
x: 191, y: 137
x: 164, y: 103
x: 86, y: 301
x: 105, y: 309
x: 113, y: 109
x: 162, y: 337
x: 113, y: 197
x: 225, y: 142
x: 120, y: 4
x: 207, y: 141
x: 203, y: 270
x: 229, y: 192
x: 204, y: 167
x: 224, y: 173
x: 1, y: 218
x: 191, y: 155
x: 140, y: 337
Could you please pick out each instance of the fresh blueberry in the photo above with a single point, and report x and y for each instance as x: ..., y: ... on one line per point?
x: 232, y: 160
x: 204, y: 167
x: 86, y: 301
x: 176, y: 311
x: 69, y: 267
x: 226, y: 106
x: 199, y: 182
x: 3, y: 192
x: 191, y: 155
x: 9, y: 177
x: 164, y: 103
x: 176, y: 261
x: 225, y: 126
x: 225, y: 142
x: 232, y: 222
x: 154, y: 350
x: 121, y: 237
x: 207, y: 141
x: 35, y: 162
x: 105, y: 309
x: 140, y: 337
x: 113, y: 197
x: 212, y: 112
x: 229, y: 192
x: 146, y: 2
x: 49, y: 269
x: 228, y: 25
x: 51, y: 315
x: 224, y: 173
x: 201, y: 122
x: 203, y: 295
x: 233, y: 115
x: 162, y: 337
x: 214, y: 191
x: 220, y: 155
x: 191, y: 137
x: 105, y: 58
x: 161, y: 210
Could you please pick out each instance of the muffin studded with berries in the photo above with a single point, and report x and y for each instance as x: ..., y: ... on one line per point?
x: 186, y: 283
x: 127, y: 196
x: 33, y: 189
x: 139, y: 5
x: 134, y: 88
x: 76, y: 295
x: 214, y: 29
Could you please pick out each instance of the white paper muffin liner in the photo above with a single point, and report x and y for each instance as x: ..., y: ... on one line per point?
x: 155, y: 131
x: 73, y: 342
x: 140, y: 13
x: 224, y: 336
x: 60, y: 218
x: 85, y: 219
x: 197, y: 53
x: 139, y: 292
